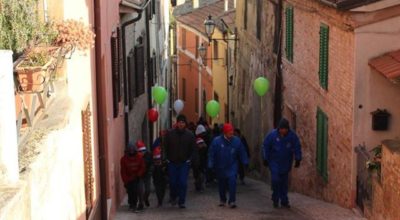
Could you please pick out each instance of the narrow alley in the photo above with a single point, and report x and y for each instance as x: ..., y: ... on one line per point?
x: 253, y: 203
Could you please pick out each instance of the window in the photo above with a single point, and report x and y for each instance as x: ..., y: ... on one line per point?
x: 139, y: 73
x: 216, y: 97
x: 276, y: 28
x: 245, y: 15
x: 116, y: 70
x: 215, y: 44
x: 197, y: 46
x: 323, y: 56
x: 196, y: 100
x: 322, y: 144
x: 258, y: 22
x: 183, y: 89
x: 183, y: 38
x: 131, y: 78
x: 289, y: 33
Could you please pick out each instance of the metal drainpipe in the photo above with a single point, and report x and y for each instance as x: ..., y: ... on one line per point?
x: 279, y: 80
x: 101, y: 111
x: 149, y: 83
x: 126, y: 88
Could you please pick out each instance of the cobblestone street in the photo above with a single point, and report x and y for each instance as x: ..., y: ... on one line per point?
x: 253, y: 203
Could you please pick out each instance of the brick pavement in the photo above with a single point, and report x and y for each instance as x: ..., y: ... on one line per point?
x: 253, y: 200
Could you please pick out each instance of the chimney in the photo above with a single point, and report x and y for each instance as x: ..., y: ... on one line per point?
x: 195, y: 4
x: 226, y: 5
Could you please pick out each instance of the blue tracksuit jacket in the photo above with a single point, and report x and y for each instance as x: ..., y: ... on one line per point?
x: 223, y: 155
x: 279, y: 151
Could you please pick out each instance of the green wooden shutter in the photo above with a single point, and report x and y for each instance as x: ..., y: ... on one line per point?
x: 323, y: 56
x: 322, y: 144
x: 289, y: 33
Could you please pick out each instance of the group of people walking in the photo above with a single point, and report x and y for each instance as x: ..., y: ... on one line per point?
x: 213, y: 157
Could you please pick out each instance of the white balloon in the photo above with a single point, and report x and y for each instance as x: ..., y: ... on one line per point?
x: 178, y: 106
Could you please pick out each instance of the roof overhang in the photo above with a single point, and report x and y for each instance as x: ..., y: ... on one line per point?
x: 388, y: 65
x: 376, y: 6
x: 348, y: 4
x: 137, y: 5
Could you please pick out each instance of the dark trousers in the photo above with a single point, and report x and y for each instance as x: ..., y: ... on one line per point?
x: 147, y: 187
x: 160, y: 183
x: 135, y: 193
x: 227, y: 184
x: 279, y: 184
x: 241, y: 171
x: 178, y: 175
x: 198, y: 174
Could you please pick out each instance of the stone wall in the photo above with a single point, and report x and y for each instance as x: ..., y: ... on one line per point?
x: 304, y: 95
x: 386, y: 193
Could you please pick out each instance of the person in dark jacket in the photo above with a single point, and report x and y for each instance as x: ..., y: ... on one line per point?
x: 179, y: 145
x: 159, y: 175
x: 132, y: 169
x: 223, y: 158
x: 279, y: 147
x: 246, y: 147
x: 149, y: 169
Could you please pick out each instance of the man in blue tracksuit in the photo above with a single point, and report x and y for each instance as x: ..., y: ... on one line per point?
x: 223, y: 156
x: 279, y: 147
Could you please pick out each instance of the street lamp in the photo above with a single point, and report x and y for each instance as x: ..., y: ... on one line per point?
x: 202, y: 51
x: 209, y: 25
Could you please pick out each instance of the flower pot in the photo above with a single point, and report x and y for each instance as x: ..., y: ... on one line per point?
x: 33, y: 78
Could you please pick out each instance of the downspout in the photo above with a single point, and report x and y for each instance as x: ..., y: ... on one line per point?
x: 279, y: 80
x: 101, y: 111
x: 126, y: 87
x: 149, y: 82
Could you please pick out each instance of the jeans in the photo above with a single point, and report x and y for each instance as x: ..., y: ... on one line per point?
x: 178, y: 175
x: 227, y: 184
x: 279, y: 183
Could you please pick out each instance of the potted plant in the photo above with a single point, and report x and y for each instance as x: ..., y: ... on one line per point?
x: 55, y: 41
x: 374, y: 164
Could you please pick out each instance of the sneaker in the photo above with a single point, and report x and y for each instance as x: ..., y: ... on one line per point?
x: 232, y: 205
x: 140, y: 208
x: 182, y: 206
x: 221, y: 204
x: 276, y: 205
x: 285, y: 206
x: 147, y: 203
x: 173, y: 202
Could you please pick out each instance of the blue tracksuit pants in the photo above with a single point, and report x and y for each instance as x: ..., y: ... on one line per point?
x: 227, y: 184
x: 279, y: 183
x: 178, y: 175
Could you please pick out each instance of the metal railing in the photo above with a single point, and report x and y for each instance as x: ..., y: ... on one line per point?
x: 364, y: 180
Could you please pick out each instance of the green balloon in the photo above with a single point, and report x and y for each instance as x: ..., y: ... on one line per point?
x: 159, y: 94
x: 212, y: 108
x: 261, y: 85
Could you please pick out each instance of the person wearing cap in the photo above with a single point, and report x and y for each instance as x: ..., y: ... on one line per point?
x: 223, y: 157
x: 199, y: 158
x: 280, y: 146
x: 132, y: 169
x: 149, y: 169
x: 178, y: 146
x: 159, y: 175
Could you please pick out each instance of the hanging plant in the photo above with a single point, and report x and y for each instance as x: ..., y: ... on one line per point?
x: 74, y: 33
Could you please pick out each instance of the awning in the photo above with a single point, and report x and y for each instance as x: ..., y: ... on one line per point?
x: 388, y: 65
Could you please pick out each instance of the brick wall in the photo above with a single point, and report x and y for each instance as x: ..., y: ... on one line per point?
x: 386, y: 194
x: 304, y: 94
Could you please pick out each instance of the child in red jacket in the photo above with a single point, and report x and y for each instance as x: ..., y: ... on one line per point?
x: 132, y: 170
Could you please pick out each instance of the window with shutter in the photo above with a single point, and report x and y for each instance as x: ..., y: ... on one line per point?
x: 115, y: 75
x: 276, y: 28
x: 183, y: 89
x: 245, y: 15
x: 258, y: 21
x: 215, y: 44
x: 323, y: 56
x: 289, y: 33
x: 322, y: 144
x: 183, y: 38
x: 196, y: 100
x: 139, y: 73
x: 131, y: 78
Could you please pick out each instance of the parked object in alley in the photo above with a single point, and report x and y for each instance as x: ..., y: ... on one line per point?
x: 261, y: 86
x: 212, y: 108
x: 223, y: 155
x: 279, y: 147
x: 159, y: 94
x: 152, y: 114
x: 178, y: 106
